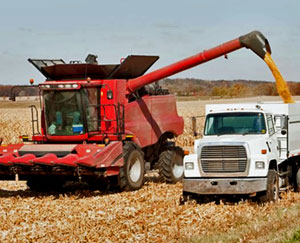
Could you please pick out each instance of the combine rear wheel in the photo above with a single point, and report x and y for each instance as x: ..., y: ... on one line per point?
x: 171, y: 164
x: 132, y: 173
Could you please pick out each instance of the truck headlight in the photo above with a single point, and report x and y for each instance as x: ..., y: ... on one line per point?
x: 189, y: 165
x: 259, y: 165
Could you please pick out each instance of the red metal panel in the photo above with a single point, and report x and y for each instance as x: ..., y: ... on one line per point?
x: 6, y: 159
x: 68, y: 160
x: 88, y: 149
x: 39, y: 138
x: 47, y: 159
x: 150, y: 117
x: 108, y: 106
x: 24, y: 160
x: 73, y: 138
x: 108, y: 156
x: 10, y: 149
x: 112, y: 171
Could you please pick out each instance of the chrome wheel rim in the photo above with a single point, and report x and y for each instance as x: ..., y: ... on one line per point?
x: 177, y: 168
x: 135, y: 170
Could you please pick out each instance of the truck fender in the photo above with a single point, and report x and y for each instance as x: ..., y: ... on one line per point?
x: 273, y: 165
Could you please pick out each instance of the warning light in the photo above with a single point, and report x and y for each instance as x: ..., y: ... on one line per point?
x: 31, y: 81
x: 106, y: 140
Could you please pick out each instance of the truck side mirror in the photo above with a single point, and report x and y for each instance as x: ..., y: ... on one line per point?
x: 284, y: 122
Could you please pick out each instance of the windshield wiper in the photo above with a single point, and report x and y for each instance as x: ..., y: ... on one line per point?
x: 223, y: 133
x: 249, y: 132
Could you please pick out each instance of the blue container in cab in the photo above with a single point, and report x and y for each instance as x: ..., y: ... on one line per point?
x: 77, y: 128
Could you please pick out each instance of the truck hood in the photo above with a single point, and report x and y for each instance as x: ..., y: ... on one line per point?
x: 254, y: 142
x: 233, y: 138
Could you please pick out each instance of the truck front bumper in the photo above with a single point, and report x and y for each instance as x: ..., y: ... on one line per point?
x: 224, y: 185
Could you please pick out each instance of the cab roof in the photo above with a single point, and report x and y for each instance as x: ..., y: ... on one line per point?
x: 133, y: 66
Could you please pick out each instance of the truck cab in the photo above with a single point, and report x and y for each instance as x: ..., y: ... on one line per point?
x: 244, y: 150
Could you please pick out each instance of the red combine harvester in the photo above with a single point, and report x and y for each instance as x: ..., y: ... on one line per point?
x: 101, y: 123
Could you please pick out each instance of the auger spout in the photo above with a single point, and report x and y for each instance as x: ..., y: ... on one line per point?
x: 253, y: 40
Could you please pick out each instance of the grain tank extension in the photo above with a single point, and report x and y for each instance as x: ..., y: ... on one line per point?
x: 102, y: 123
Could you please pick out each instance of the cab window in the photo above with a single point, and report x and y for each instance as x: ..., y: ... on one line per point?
x: 270, y: 124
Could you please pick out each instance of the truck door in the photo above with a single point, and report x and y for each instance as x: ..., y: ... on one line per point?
x: 272, y: 141
x: 281, y: 138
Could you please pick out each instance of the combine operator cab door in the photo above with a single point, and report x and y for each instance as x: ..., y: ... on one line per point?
x: 91, y: 104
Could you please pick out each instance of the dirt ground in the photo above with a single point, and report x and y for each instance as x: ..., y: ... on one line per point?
x: 151, y: 214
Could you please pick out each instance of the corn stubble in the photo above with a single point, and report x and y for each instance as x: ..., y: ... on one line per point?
x: 151, y: 214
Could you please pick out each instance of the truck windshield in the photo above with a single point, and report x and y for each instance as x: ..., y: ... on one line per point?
x: 63, y: 112
x: 235, y: 123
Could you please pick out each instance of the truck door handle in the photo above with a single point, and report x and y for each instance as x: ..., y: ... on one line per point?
x: 268, y: 146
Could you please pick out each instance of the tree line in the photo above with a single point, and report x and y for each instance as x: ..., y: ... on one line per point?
x: 225, y: 88
x: 196, y: 87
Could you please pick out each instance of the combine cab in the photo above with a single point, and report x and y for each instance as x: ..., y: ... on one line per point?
x: 102, y: 123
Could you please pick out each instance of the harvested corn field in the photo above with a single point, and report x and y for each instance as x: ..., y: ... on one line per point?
x: 151, y: 214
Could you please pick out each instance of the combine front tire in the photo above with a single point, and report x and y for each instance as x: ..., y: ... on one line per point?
x: 132, y: 173
x: 171, y: 164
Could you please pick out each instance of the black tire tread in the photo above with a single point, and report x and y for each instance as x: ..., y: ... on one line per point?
x: 267, y: 196
x: 128, y: 148
x: 165, y: 163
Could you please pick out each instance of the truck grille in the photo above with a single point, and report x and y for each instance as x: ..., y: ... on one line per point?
x: 223, y: 159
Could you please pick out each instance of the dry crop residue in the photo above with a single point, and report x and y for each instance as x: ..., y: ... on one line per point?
x: 151, y: 214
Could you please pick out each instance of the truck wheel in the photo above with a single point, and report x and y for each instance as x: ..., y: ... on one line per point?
x: 132, y: 173
x: 170, y: 164
x: 191, y: 197
x: 185, y: 197
x: 272, y: 192
x: 297, y: 180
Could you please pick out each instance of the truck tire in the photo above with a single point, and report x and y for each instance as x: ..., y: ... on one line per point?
x: 185, y: 197
x: 170, y: 164
x: 297, y: 181
x: 132, y: 173
x: 272, y: 192
x: 191, y: 197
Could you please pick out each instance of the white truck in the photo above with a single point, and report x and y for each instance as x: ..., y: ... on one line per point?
x: 247, y: 149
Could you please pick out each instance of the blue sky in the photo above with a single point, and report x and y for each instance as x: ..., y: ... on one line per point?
x: 172, y: 29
